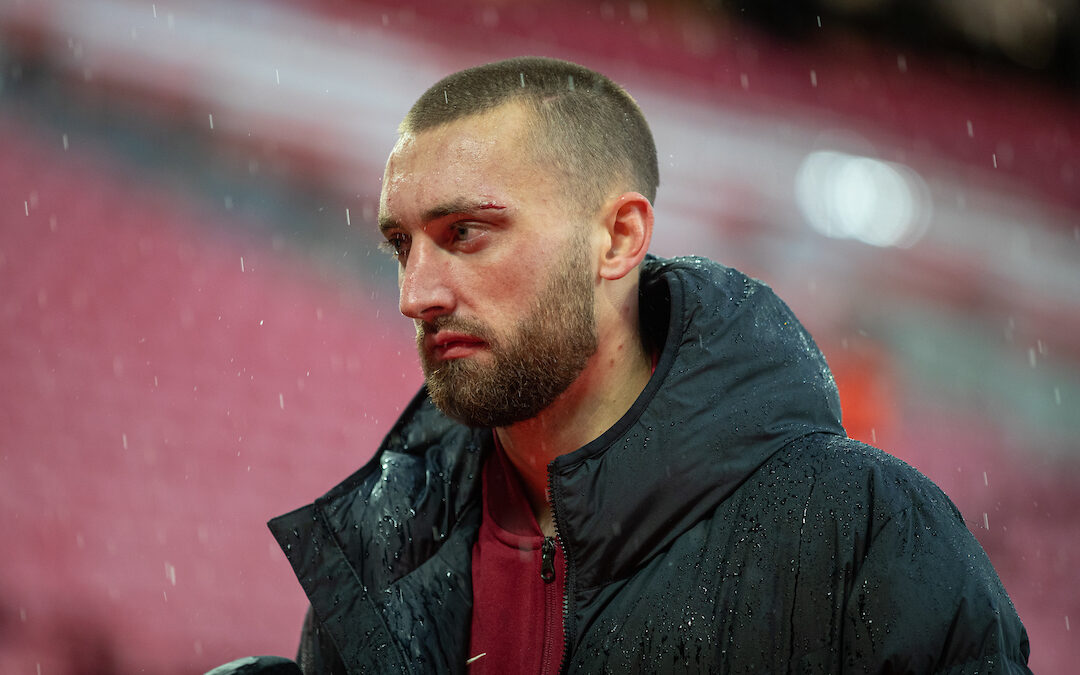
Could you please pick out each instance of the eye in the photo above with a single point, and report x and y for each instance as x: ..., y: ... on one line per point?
x: 466, y: 235
x: 397, y: 245
x: 461, y: 232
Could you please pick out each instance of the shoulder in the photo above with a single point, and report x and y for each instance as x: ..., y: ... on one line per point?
x: 865, y: 491
x: 844, y: 465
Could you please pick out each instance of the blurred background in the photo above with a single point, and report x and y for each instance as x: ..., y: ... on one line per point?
x: 196, y: 334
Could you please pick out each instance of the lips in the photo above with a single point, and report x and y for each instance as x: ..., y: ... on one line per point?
x: 446, y: 345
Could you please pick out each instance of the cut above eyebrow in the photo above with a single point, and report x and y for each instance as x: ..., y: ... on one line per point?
x: 443, y: 210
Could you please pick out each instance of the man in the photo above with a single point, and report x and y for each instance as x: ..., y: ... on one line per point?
x: 617, y: 463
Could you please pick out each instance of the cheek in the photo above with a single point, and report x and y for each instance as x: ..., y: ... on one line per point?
x: 515, y: 286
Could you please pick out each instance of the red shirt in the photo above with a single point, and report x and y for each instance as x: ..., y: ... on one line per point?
x: 517, y: 573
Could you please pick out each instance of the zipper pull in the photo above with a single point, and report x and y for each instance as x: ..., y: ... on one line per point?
x: 547, y: 560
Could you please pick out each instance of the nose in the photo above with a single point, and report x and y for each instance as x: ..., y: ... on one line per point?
x: 424, y: 282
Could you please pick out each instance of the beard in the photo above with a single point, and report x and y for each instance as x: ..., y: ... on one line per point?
x: 546, y: 351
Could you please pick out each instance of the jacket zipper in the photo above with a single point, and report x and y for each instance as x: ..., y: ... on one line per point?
x: 552, y: 608
x: 568, y: 579
x: 547, y: 560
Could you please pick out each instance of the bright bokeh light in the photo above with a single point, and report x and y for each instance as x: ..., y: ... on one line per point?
x: 852, y: 197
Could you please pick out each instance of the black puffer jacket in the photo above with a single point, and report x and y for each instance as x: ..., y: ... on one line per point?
x: 725, y: 524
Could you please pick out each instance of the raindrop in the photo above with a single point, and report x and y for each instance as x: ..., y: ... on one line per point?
x: 211, y: 116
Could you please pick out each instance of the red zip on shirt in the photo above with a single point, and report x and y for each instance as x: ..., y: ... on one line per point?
x: 517, y: 574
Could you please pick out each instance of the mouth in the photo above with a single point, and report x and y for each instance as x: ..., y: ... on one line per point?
x: 445, y: 345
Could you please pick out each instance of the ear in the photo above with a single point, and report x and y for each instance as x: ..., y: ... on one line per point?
x: 628, y: 222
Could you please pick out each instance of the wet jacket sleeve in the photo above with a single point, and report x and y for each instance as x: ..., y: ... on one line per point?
x: 927, y: 600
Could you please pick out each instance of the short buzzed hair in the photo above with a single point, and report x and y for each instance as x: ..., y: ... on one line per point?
x: 586, y: 125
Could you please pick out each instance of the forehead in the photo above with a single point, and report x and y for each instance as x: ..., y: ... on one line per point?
x: 478, y: 157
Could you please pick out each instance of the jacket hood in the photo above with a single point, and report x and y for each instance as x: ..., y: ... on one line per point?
x: 738, y: 377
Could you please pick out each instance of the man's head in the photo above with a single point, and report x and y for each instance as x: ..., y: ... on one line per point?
x: 515, y: 236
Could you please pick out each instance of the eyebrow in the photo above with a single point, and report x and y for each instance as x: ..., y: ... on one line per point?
x: 443, y: 210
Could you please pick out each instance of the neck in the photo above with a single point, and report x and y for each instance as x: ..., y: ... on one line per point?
x: 612, y: 380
